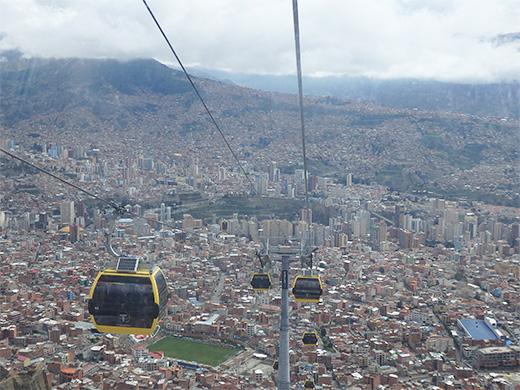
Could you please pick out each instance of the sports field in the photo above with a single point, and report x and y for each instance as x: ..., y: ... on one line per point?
x: 208, y: 354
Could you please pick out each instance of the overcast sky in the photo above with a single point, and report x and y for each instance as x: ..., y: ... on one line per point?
x: 447, y: 40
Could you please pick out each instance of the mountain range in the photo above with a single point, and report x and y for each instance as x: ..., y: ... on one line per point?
x: 144, y: 108
x: 495, y: 99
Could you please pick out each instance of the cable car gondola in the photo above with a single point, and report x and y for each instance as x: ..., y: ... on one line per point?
x: 275, y: 365
x: 310, y: 338
x: 127, y: 297
x: 308, y: 384
x: 260, y: 281
x: 307, y: 289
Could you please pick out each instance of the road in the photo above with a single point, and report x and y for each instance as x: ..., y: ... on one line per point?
x: 217, y: 291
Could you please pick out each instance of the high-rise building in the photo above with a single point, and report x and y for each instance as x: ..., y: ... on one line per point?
x: 160, y: 167
x: 5, y: 143
x: 3, y: 219
x: 277, y: 175
x: 471, y: 224
x: 261, y: 184
x: 125, y: 175
x: 162, y: 216
x: 67, y: 212
x: 74, y: 233
x: 383, y: 233
x: 222, y: 174
x: 79, y: 152
x: 312, y: 183
x: 438, y: 204
x: 80, y: 210
x: 189, y: 223
x: 272, y: 171
x: 277, y: 230
x: 399, y: 216
x: 405, y: 239
x: 149, y: 164
x: 306, y: 216
x: 251, y: 330
x: 41, y: 223
x: 515, y: 234
x: 497, y: 231
x: 194, y: 168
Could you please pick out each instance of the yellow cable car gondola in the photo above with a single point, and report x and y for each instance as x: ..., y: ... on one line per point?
x: 275, y: 365
x: 261, y: 281
x: 310, y: 338
x: 309, y: 384
x: 307, y: 289
x: 128, y: 298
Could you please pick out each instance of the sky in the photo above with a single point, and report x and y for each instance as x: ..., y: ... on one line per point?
x: 444, y: 40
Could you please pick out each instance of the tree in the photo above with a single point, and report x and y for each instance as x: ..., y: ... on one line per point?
x: 323, y: 331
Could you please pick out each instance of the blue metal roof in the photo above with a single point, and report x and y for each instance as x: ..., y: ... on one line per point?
x: 478, y: 329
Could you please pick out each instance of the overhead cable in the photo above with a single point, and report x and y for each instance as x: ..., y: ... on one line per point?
x: 207, y: 110
x: 120, y: 210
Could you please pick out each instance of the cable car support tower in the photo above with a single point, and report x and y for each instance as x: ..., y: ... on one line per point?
x: 306, y: 288
x: 284, y: 375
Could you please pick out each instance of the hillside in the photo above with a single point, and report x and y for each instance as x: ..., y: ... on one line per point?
x: 142, y: 107
x: 497, y: 99
x: 29, y: 380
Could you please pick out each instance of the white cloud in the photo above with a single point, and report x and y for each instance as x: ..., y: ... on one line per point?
x: 435, y: 39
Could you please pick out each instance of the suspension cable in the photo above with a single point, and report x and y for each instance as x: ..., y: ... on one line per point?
x: 111, y: 204
x: 300, y: 100
x: 198, y: 95
x: 120, y: 210
x: 209, y: 113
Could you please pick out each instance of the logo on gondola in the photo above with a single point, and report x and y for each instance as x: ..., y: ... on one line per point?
x: 124, y: 318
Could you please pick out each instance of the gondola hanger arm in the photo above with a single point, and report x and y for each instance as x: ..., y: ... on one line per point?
x: 111, y: 228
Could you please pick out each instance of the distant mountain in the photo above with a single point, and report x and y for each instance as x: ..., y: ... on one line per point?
x: 142, y: 108
x: 501, y: 100
x: 38, y: 86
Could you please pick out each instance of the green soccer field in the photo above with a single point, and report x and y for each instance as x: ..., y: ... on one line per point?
x: 191, y: 351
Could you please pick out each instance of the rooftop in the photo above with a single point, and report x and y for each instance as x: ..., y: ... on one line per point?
x: 478, y: 329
